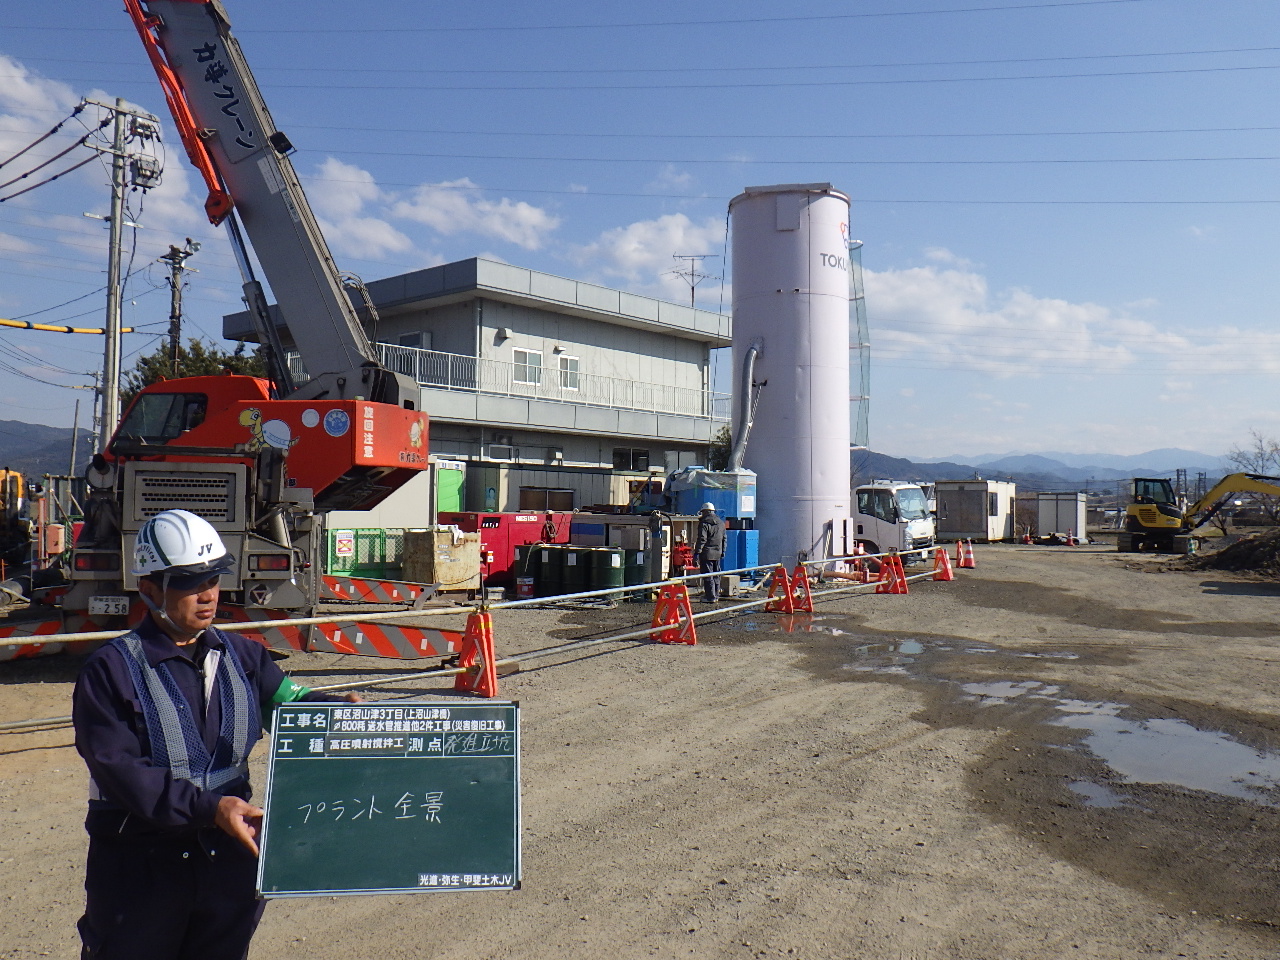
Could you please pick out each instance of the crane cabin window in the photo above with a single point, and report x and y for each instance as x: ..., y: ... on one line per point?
x: 528, y: 367
x: 1153, y: 491
x: 160, y: 417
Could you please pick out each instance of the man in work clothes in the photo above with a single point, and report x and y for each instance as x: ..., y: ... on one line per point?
x: 709, y: 550
x: 165, y: 718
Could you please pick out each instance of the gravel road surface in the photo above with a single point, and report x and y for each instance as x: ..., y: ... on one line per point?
x: 1064, y: 753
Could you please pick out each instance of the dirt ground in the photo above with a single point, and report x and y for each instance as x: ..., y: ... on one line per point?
x: 1064, y: 753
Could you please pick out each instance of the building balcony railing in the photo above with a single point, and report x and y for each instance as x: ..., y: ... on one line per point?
x: 454, y: 371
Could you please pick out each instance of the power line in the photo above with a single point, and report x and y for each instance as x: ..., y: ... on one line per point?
x: 56, y: 176
x: 513, y: 28
x: 757, y: 85
x: 758, y: 68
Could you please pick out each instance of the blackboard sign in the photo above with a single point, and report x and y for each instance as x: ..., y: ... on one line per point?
x: 391, y: 798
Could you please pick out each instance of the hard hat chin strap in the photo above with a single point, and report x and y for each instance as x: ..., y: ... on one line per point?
x: 162, y: 614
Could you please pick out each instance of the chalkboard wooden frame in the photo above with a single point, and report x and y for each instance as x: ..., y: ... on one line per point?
x: 392, y: 797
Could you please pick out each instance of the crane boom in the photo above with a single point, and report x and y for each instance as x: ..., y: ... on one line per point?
x: 230, y: 136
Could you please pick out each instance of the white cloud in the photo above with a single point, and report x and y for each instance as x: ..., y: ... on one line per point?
x: 945, y: 256
x: 26, y: 95
x: 339, y: 195
x: 670, y: 178
x: 641, y: 253
x: 949, y: 318
x: 456, y: 207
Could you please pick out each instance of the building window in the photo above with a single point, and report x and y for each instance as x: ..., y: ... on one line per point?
x: 541, y: 499
x: 626, y: 458
x: 528, y: 366
x: 569, y: 373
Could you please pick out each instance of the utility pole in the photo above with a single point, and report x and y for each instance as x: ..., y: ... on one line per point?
x: 145, y: 173
x: 111, y: 353
x: 689, y: 273
x: 176, y: 259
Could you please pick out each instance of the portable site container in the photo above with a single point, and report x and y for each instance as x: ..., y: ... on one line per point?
x: 1061, y: 513
x: 975, y: 509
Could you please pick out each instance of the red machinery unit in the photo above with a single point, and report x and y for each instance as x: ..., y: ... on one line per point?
x: 501, y: 533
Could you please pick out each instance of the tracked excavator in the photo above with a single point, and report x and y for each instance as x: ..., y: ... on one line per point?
x: 1156, y: 520
x: 262, y: 459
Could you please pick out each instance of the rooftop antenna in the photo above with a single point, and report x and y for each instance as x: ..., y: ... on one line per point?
x: 689, y: 272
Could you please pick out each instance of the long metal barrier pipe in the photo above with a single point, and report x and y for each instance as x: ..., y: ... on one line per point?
x: 41, y: 639
x: 19, y: 725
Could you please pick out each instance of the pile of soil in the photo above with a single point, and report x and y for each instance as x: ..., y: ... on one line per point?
x: 1259, y: 553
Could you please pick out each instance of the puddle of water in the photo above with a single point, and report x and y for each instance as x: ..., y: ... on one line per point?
x: 1095, y: 794
x: 1148, y: 751
x: 1171, y: 752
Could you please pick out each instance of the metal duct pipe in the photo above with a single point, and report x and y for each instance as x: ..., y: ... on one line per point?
x: 747, y: 412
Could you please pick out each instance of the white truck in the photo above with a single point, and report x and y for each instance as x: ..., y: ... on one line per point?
x: 892, y: 515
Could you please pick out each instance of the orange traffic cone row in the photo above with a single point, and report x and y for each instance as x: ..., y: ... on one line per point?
x: 942, y: 565
x: 674, y: 612
x: 893, y: 579
x: 781, y: 600
x: 477, y: 658
x: 801, y: 596
x: 965, y: 549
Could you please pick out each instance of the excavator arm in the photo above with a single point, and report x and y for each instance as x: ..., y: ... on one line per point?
x: 1204, y: 509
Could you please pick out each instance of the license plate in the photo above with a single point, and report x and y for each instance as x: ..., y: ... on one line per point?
x: 108, y: 606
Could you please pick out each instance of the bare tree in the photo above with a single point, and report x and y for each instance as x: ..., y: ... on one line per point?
x: 1262, y: 455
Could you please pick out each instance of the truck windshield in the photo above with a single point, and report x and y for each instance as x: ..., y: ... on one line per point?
x: 912, y: 504
x: 160, y: 417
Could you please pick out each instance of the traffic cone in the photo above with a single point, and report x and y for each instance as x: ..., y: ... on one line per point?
x: 801, y: 596
x: 942, y: 565
x: 1071, y: 538
x: 674, y: 612
x: 893, y: 579
x: 966, y: 555
x: 477, y: 657
x: 1026, y: 538
x: 781, y: 599
x: 959, y: 553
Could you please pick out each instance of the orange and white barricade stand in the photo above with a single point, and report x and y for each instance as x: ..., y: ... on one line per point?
x: 965, y: 549
x: 801, y: 595
x: 674, y: 612
x: 781, y: 599
x: 477, y: 657
x: 893, y: 579
x: 942, y: 565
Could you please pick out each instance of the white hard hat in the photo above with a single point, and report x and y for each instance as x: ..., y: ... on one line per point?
x: 182, y: 546
x: 708, y: 506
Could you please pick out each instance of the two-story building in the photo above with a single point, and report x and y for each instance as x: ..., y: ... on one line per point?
x: 543, y: 392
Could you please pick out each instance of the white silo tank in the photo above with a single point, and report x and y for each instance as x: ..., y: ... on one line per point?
x: 791, y: 299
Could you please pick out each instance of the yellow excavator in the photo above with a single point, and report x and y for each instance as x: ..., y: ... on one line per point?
x: 1156, y: 520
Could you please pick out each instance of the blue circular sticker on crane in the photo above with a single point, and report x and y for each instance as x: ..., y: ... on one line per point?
x: 336, y: 423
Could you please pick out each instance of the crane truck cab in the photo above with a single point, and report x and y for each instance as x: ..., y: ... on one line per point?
x: 892, y: 515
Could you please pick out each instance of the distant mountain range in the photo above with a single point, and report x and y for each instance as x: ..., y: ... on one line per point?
x: 34, y: 449
x: 1039, y: 471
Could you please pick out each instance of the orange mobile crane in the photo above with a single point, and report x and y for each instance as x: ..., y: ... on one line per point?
x: 261, y: 459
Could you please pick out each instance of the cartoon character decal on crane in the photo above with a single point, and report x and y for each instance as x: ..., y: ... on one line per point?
x: 273, y: 433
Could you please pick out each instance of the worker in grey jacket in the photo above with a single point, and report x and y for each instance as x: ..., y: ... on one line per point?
x: 709, y: 550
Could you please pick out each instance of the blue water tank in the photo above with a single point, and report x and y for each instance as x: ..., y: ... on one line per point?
x: 741, y: 549
x: 733, y: 494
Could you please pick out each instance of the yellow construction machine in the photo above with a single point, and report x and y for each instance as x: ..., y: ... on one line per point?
x: 1159, y: 521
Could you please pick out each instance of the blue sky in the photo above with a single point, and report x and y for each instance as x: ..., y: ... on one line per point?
x: 1069, y: 209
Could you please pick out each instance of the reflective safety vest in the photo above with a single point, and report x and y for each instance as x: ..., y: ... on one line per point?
x: 176, y: 741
